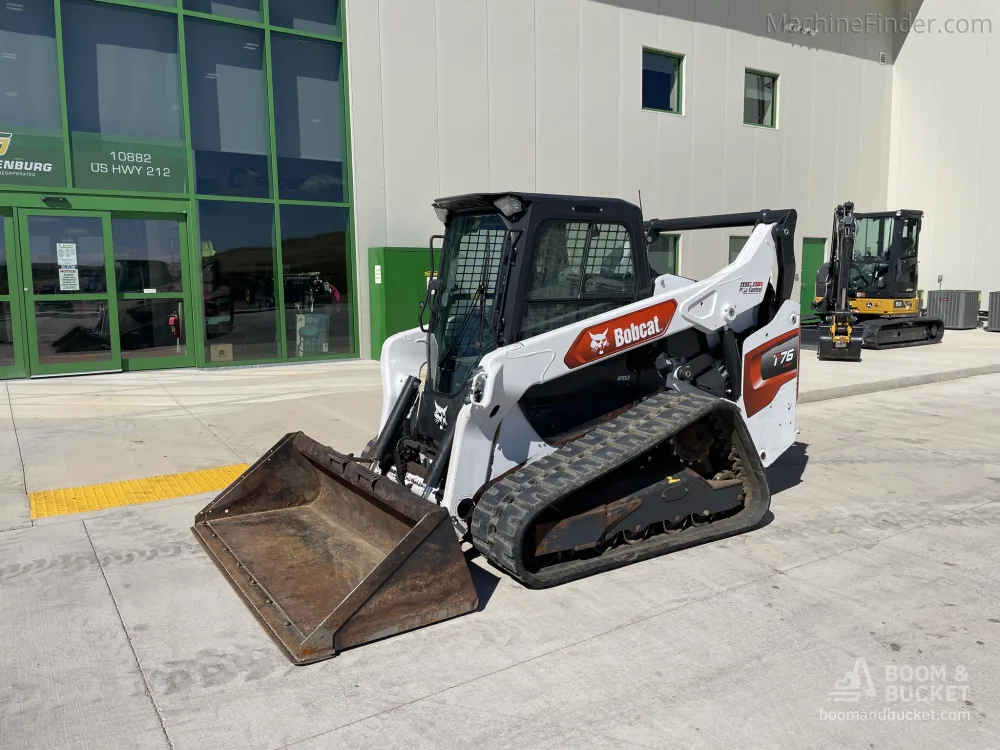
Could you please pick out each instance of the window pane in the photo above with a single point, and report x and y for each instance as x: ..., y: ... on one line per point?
x: 245, y: 10
x: 237, y: 260
x: 6, y: 336
x: 316, y: 16
x: 317, y: 299
x: 68, y: 332
x: 661, y: 82
x: 662, y: 254
x: 123, y: 98
x: 227, y: 94
x: 581, y: 270
x: 31, y: 147
x: 308, y: 119
x: 147, y: 255
x: 67, y: 254
x: 152, y: 328
x: 758, y: 102
x: 736, y: 247
x: 4, y: 284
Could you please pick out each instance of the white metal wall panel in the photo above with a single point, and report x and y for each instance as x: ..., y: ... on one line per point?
x: 987, y: 261
x: 674, y: 134
x: 511, y: 62
x: 600, y: 76
x: 638, y: 170
x: 409, y: 118
x: 557, y: 97
x: 463, y: 96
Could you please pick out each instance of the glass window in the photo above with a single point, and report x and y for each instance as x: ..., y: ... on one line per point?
x: 907, y: 281
x: 663, y: 254
x: 661, y: 81
x: 316, y: 16
x: 316, y: 279
x: 152, y: 327
x: 123, y: 98
x: 147, y: 255
x: 309, y: 119
x: 67, y: 254
x: 227, y: 94
x: 69, y: 332
x: 7, y: 354
x: 31, y: 146
x: 580, y: 270
x: 237, y: 261
x: 4, y: 284
x: 736, y: 247
x: 244, y: 10
x: 759, y: 98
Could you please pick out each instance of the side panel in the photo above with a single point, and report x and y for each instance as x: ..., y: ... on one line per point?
x: 403, y: 355
x: 770, y: 383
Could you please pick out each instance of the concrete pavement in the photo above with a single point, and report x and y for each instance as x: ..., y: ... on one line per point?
x: 120, y: 632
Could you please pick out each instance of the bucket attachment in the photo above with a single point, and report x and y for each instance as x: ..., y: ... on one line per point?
x: 328, y: 555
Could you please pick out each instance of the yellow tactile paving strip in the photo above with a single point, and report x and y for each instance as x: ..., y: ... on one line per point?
x: 131, y: 492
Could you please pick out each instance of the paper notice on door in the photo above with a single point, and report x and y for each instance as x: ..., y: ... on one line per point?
x: 66, y: 253
x: 69, y: 280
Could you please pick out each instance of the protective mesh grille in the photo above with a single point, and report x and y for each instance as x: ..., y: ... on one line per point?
x: 470, y: 267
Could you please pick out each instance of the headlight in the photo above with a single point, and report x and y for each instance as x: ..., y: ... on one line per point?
x: 442, y: 214
x: 509, y: 205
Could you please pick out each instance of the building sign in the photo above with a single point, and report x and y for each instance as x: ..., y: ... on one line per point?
x: 31, y: 159
x: 104, y: 164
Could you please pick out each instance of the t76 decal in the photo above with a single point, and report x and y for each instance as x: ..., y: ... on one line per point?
x: 619, y: 334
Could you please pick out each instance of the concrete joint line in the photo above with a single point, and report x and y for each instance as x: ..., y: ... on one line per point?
x: 860, y: 389
x: 135, y: 657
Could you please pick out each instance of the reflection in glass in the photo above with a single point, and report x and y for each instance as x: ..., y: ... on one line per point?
x: 67, y: 254
x: 123, y: 97
x: 6, y: 336
x: 315, y: 16
x: 244, y: 10
x: 29, y: 94
x: 661, y: 81
x: 758, y: 99
x: 4, y: 285
x: 147, y: 255
x: 152, y: 328
x: 237, y: 260
x: 308, y: 119
x: 317, y: 298
x: 228, y: 100
x: 70, y: 332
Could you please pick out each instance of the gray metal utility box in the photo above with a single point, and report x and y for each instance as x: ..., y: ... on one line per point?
x: 993, y: 322
x: 959, y: 309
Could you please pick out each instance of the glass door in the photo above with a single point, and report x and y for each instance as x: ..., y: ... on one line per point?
x: 68, y: 284
x: 12, y: 363
x: 150, y: 273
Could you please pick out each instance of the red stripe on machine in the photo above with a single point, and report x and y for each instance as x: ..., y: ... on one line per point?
x: 620, y: 334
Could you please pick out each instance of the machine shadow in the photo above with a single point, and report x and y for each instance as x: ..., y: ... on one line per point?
x: 485, y: 581
x: 787, y: 471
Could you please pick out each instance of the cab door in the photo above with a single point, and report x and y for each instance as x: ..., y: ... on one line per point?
x: 12, y: 363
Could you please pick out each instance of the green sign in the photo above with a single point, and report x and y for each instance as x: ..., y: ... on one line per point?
x: 101, y: 163
x: 28, y: 158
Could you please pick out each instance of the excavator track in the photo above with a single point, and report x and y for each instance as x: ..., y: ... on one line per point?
x: 889, y: 333
x: 508, y: 511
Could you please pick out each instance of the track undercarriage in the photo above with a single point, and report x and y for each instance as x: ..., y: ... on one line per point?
x: 896, y: 333
x: 674, y: 471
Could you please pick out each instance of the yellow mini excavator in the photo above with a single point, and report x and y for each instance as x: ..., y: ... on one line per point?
x: 866, y: 294
x: 565, y: 411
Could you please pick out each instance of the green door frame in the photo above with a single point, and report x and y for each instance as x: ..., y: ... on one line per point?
x: 13, y: 206
x: 188, y: 313
x: 35, y: 366
x: 813, y: 256
x: 12, y: 300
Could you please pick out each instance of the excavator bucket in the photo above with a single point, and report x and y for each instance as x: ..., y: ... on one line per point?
x: 328, y: 555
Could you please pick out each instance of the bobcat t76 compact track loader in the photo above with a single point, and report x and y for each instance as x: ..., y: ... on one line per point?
x: 565, y: 411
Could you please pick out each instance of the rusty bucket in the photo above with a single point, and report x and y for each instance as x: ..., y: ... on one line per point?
x: 328, y: 555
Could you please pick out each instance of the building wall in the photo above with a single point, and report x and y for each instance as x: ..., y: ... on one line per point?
x: 945, y: 151
x: 453, y: 96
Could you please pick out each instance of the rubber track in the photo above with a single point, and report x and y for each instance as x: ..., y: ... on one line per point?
x: 507, y: 511
x: 873, y: 328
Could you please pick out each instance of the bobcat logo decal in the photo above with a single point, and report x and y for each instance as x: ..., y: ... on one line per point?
x: 599, y: 342
x: 441, y: 416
